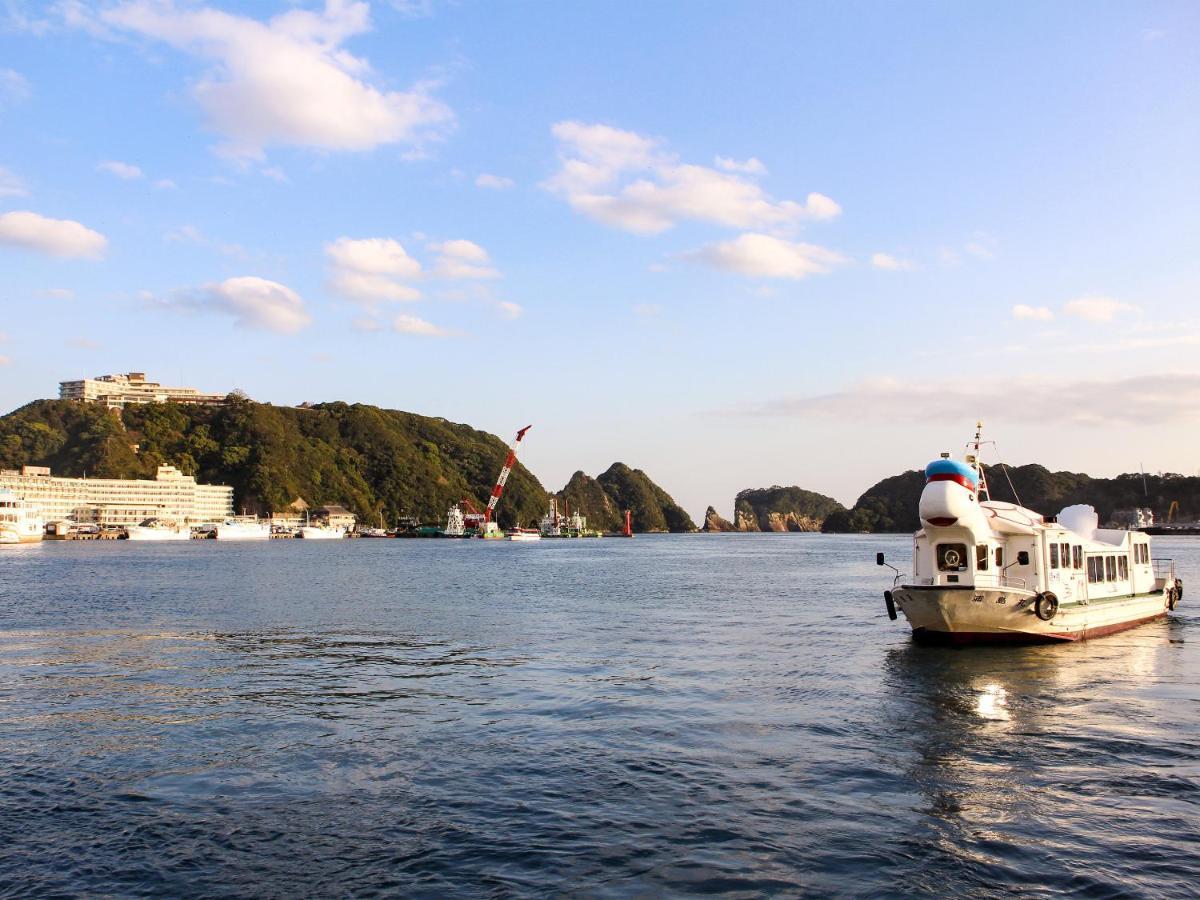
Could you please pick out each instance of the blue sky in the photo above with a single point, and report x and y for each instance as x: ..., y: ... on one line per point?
x: 732, y: 244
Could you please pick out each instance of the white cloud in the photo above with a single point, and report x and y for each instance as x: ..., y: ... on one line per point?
x: 766, y: 256
x: 122, y: 170
x: 288, y: 80
x: 57, y: 237
x: 275, y: 174
x: 5, y: 360
x: 57, y: 293
x: 461, y: 259
x: 629, y: 181
x: 891, y: 263
x: 646, y: 310
x: 165, y: 184
x: 751, y: 166
x: 253, y: 302
x: 493, y: 182
x: 186, y: 234
x: 14, y: 88
x: 1139, y: 400
x: 372, y: 270
x: 1098, y: 309
x: 413, y: 325
x: 11, y: 185
x: 510, y: 310
x: 3, y: 337
x: 1036, y: 313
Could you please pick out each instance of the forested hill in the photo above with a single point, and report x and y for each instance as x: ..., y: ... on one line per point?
x: 891, y: 505
x: 371, y: 460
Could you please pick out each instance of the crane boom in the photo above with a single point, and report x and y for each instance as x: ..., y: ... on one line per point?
x: 509, y: 462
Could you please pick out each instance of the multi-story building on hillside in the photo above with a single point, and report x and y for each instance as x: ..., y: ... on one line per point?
x: 118, y: 391
x: 121, y: 501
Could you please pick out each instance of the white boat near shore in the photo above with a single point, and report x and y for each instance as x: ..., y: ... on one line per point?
x: 19, y: 522
x: 158, y: 530
x: 242, y: 530
x: 321, y: 533
x: 524, y: 534
x: 988, y: 571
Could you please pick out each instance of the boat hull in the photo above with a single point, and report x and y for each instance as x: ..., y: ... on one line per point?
x: 970, y: 615
x: 240, y: 532
x: 140, y: 533
x: 310, y: 533
x: 12, y: 536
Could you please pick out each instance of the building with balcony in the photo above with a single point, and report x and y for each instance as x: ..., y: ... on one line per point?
x: 121, y: 501
x: 119, y: 391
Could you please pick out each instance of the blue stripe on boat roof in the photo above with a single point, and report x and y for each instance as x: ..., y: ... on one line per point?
x: 951, y: 467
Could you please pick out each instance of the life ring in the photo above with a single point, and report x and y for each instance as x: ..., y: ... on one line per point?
x: 951, y: 559
x: 1046, y: 606
x: 890, y: 604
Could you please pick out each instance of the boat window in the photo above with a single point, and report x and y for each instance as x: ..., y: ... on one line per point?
x: 1110, y: 568
x: 1123, y: 568
x: 1077, y: 553
x: 1094, y: 564
x: 1054, y: 556
x: 999, y: 557
x: 1065, y: 552
x: 981, y: 557
x: 952, y: 557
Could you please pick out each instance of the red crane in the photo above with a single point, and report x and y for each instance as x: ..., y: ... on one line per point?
x: 500, y: 481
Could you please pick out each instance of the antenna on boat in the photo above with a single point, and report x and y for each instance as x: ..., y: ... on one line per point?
x: 977, y: 464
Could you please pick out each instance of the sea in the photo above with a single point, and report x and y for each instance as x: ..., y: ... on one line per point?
x: 672, y: 715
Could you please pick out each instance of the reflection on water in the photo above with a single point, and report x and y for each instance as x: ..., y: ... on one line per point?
x: 672, y: 715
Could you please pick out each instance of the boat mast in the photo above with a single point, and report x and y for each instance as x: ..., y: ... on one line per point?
x: 977, y: 464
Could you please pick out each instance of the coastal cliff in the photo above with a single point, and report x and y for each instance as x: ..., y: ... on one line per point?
x: 782, y: 509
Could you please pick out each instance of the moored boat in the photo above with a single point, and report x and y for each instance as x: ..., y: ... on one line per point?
x: 158, y: 530
x: 989, y: 571
x: 321, y: 533
x: 19, y: 522
x: 242, y: 529
x: 524, y: 534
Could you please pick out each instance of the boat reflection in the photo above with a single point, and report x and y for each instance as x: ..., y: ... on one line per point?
x: 991, y: 739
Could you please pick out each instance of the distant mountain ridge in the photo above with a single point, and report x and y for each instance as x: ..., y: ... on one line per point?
x: 369, y: 459
x: 891, y: 504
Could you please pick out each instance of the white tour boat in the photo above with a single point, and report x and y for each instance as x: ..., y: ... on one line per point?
x: 524, y: 534
x: 242, y: 529
x: 321, y: 533
x: 158, y: 530
x: 19, y: 522
x: 985, y: 570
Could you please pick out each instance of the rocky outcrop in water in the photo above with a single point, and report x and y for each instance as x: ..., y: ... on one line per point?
x: 715, y: 523
x: 782, y: 509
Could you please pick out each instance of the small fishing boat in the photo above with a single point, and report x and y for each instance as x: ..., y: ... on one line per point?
x: 988, y: 571
x: 245, y: 528
x: 524, y: 534
x: 321, y: 533
x: 20, y: 523
x: 158, y: 530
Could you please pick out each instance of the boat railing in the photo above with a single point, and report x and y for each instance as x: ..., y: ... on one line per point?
x: 1164, y: 568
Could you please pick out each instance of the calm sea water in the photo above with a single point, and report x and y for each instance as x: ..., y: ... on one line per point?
x: 668, y: 715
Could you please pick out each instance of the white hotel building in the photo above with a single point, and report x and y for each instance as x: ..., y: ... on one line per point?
x: 119, y: 391
x: 119, y: 501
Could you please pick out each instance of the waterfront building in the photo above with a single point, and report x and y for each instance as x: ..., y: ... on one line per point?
x: 119, y: 391
x: 172, y: 496
x: 335, y: 516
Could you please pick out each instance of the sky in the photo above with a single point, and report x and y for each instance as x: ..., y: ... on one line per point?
x: 733, y: 245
